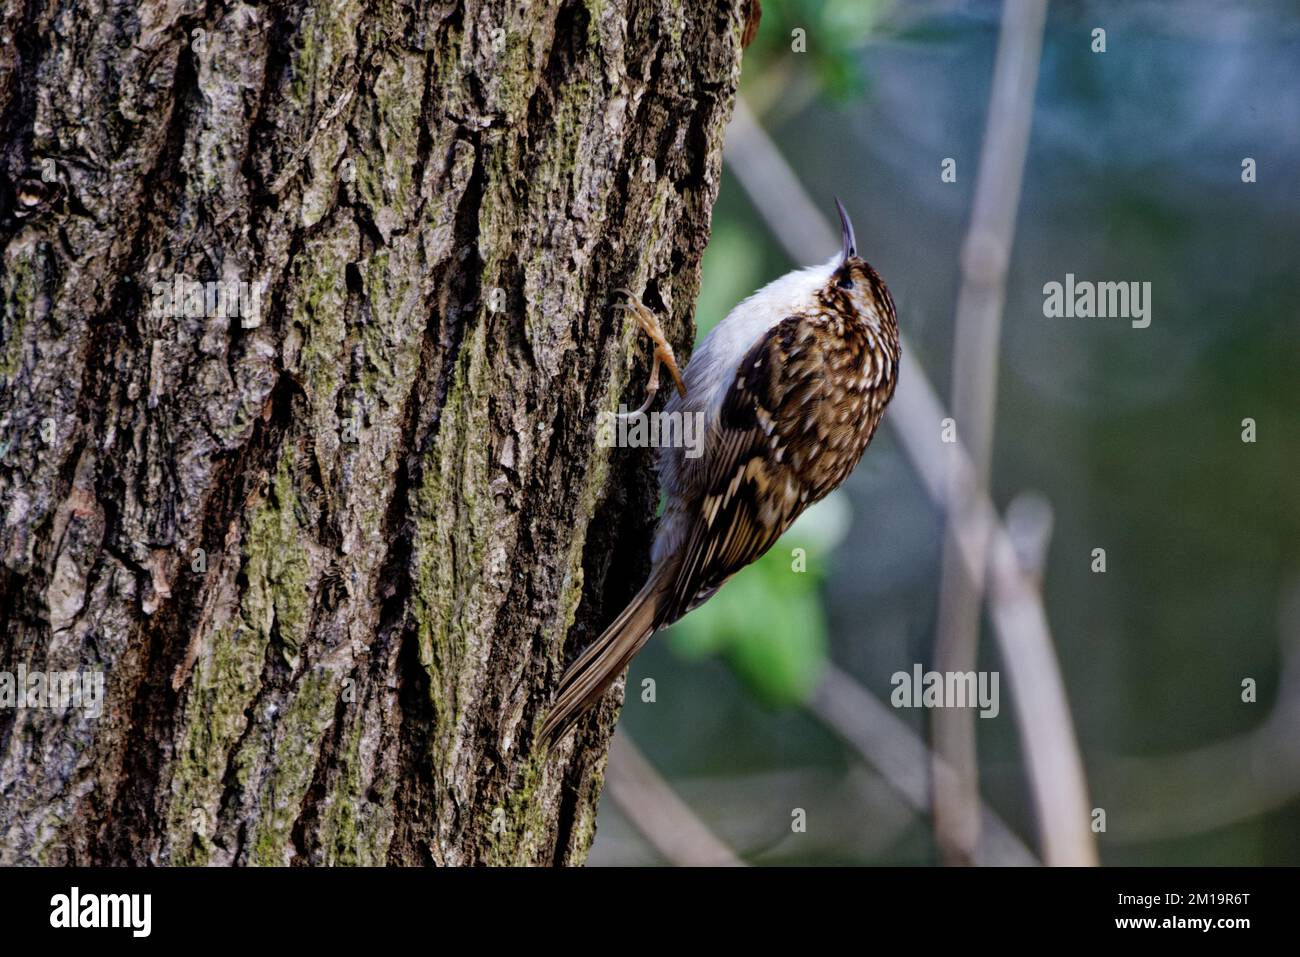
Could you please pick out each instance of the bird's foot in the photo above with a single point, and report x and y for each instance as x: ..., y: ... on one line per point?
x: 663, y: 350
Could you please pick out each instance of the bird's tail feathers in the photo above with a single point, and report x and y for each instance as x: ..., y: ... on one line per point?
x: 601, y: 663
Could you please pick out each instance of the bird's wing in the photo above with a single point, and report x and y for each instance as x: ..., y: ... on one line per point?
x: 751, y: 492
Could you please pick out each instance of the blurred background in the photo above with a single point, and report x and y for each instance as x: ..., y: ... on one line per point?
x: 1111, y: 437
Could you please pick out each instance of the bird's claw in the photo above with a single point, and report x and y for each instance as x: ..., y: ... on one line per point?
x: 663, y: 352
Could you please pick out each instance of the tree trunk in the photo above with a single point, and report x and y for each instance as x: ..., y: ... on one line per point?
x: 330, y: 556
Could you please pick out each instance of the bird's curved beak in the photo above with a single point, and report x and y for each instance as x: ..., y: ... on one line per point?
x: 850, y: 245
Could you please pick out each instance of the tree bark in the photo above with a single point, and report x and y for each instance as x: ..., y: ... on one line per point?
x: 331, y: 558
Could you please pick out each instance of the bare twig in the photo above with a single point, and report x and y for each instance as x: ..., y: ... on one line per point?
x: 658, y: 813
x: 1029, y: 522
x: 1234, y: 779
x: 915, y: 414
x: 985, y: 256
x: 886, y: 743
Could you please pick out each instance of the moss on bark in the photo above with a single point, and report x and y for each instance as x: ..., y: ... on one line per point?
x: 331, y: 558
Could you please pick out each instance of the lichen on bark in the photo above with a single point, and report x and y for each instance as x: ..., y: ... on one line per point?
x: 330, y: 559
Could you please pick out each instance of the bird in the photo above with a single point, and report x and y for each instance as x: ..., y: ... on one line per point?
x: 792, y: 385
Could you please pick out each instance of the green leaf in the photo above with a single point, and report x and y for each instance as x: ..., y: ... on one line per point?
x: 768, y: 621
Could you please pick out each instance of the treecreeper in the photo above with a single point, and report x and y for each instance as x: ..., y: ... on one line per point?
x: 791, y: 386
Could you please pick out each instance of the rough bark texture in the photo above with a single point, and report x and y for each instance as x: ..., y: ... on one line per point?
x: 406, y: 522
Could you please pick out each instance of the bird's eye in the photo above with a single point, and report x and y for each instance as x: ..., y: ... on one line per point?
x: 846, y: 281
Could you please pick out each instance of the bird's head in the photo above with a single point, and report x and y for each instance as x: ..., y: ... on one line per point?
x: 853, y: 285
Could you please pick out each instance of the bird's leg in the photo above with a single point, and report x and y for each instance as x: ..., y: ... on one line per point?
x: 663, y: 350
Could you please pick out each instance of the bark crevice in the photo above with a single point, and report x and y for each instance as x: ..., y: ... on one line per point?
x: 330, y: 562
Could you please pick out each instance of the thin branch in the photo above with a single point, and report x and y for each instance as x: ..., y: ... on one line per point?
x: 1234, y: 779
x: 1041, y: 711
x: 755, y: 806
x: 658, y: 813
x: 978, y: 327
x: 885, y: 742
